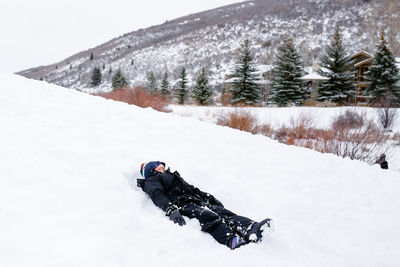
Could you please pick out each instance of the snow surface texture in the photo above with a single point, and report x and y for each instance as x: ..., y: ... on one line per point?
x: 321, y: 118
x: 68, y: 196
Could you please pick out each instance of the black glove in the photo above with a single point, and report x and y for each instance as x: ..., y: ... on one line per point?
x: 176, y: 217
x: 213, y: 201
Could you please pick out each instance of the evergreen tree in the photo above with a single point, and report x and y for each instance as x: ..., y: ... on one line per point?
x: 202, y: 92
x: 245, y: 88
x: 337, y: 67
x: 287, y: 87
x: 384, y: 75
x: 104, y: 66
x: 165, y: 86
x: 118, y: 80
x: 152, y: 84
x: 91, y: 56
x: 96, y: 77
x: 181, y: 91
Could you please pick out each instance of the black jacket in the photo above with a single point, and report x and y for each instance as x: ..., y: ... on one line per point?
x: 168, y: 189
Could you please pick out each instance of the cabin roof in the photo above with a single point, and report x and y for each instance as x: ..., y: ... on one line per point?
x: 362, y: 53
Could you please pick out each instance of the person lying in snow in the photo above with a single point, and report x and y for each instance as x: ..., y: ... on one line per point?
x: 176, y: 197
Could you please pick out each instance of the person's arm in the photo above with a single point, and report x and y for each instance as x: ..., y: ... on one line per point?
x: 203, y: 195
x: 155, y: 191
x: 208, y: 197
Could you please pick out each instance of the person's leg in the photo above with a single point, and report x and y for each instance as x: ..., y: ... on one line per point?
x: 239, y: 224
x: 210, y: 222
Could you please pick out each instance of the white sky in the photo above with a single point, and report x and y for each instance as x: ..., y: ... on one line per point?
x: 41, y: 32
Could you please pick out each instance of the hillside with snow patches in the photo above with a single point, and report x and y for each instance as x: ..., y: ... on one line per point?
x: 68, y: 197
x: 211, y: 39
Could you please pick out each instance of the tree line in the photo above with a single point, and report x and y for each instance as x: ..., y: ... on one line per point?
x: 285, y: 83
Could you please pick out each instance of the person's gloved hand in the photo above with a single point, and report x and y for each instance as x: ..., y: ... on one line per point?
x: 213, y: 201
x: 176, y: 217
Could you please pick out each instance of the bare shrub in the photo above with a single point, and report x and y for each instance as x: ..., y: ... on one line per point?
x: 396, y: 139
x: 364, y: 143
x: 386, y: 116
x: 266, y: 129
x: 240, y: 119
x: 139, y: 97
x: 351, y: 135
x: 348, y: 119
x: 300, y: 128
x: 282, y: 134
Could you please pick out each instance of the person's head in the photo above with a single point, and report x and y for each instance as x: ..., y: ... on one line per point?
x: 150, y: 168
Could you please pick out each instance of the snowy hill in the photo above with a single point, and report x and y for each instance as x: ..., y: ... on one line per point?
x: 211, y: 39
x: 68, y: 196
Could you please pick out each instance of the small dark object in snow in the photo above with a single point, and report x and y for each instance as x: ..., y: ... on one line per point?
x: 382, y: 161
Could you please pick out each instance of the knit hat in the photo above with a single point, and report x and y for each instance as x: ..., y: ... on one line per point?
x: 146, y: 170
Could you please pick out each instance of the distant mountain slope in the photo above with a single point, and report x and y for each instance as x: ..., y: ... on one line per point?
x: 210, y: 39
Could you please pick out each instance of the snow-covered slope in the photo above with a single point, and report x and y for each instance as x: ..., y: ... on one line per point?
x: 68, y: 195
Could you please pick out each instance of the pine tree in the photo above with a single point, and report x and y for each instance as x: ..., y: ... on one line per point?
x: 152, y: 84
x: 287, y: 87
x: 91, y: 56
x: 96, y: 77
x: 165, y: 88
x: 202, y: 92
x: 245, y: 88
x: 383, y: 75
x: 181, y: 91
x: 337, y: 67
x: 118, y: 80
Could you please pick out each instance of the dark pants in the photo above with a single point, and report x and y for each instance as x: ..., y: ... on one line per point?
x: 221, y: 223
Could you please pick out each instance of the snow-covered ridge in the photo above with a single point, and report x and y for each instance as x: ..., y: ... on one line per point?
x: 68, y: 195
x: 210, y: 39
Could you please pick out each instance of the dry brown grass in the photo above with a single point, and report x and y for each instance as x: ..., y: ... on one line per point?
x: 139, y: 97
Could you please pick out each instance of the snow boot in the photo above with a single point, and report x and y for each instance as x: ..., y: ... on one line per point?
x: 255, y: 233
x: 236, y: 242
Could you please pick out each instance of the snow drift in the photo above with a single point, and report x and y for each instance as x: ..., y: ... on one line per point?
x: 68, y: 196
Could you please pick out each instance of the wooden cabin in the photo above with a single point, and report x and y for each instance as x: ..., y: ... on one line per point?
x: 362, y: 62
x: 313, y: 79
